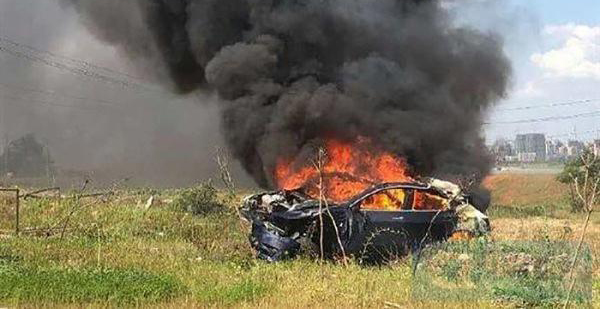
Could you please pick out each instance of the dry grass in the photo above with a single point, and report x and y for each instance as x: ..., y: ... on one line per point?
x: 525, y: 189
x: 209, y: 256
x: 539, y: 228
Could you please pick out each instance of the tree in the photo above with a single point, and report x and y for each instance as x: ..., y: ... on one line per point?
x: 585, y: 190
x: 575, y: 174
x: 26, y: 157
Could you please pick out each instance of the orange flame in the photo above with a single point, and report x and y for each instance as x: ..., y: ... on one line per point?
x: 348, y: 169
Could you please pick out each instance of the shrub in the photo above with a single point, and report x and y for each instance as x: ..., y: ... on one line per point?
x: 574, y: 171
x: 199, y: 200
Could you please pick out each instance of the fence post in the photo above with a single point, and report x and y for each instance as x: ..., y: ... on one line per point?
x: 17, y: 206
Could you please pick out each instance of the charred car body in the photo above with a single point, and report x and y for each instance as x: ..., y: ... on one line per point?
x: 390, y: 219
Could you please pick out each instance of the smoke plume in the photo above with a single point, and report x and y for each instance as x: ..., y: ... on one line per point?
x: 292, y: 72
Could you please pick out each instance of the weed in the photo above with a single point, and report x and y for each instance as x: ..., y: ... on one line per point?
x: 521, y: 273
x: 451, y: 270
x: 199, y: 200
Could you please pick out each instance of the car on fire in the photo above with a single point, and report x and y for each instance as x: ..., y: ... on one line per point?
x: 387, y: 220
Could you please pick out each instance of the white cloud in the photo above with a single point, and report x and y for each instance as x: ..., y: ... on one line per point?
x: 578, y: 56
x: 530, y: 89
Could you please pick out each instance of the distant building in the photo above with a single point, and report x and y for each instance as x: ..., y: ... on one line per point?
x: 553, y: 150
x: 575, y: 148
x: 502, y: 149
x: 526, y: 144
x: 597, y: 147
x: 527, y: 157
x: 563, y: 150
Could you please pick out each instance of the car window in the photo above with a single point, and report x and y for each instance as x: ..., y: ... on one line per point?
x: 391, y: 199
x: 424, y: 200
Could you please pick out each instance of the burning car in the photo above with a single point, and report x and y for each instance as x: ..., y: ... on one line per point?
x: 358, y: 200
x: 385, y: 220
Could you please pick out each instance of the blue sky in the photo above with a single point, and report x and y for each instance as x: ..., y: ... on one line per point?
x: 554, y: 46
x: 563, y: 11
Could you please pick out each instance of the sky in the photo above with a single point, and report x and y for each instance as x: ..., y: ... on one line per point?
x: 554, y: 46
x: 116, y: 132
x: 556, y: 61
x: 561, y: 11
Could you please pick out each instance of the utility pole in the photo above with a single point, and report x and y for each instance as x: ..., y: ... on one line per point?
x: 4, y: 128
x: 3, y: 125
x: 49, y: 169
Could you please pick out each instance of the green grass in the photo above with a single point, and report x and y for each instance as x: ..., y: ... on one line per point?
x: 116, y: 253
x: 524, y: 273
x: 244, y: 291
x: 21, y: 283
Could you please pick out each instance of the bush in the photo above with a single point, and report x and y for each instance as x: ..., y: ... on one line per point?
x: 574, y: 170
x: 199, y: 200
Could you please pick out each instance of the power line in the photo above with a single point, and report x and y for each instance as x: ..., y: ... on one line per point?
x: 77, y: 67
x: 55, y: 104
x: 546, y: 119
x: 597, y: 131
x: 64, y: 95
x: 567, y: 103
x: 71, y: 108
x: 77, y: 61
x: 64, y: 67
x: 126, y: 117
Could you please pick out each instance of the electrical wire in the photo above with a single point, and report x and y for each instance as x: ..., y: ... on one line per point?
x: 49, y: 103
x: 77, y: 61
x: 567, y: 103
x: 597, y: 131
x: 546, y: 119
x: 64, y: 95
x: 77, y: 67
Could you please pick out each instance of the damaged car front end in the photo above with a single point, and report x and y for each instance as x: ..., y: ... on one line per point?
x: 387, y: 220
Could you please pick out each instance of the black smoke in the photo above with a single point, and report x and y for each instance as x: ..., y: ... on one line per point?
x: 292, y: 72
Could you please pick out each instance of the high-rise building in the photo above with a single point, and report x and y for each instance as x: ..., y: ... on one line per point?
x: 533, y: 143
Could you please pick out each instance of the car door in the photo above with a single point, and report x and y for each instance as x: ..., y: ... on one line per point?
x: 400, y: 218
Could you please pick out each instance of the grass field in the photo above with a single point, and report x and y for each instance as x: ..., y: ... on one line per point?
x: 112, y: 251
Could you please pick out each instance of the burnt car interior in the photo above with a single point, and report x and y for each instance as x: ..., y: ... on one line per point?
x: 398, y: 199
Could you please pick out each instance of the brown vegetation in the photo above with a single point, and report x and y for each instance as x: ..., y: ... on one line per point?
x: 525, y: 189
